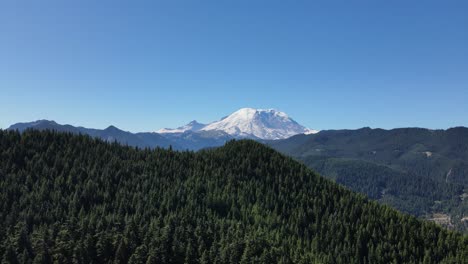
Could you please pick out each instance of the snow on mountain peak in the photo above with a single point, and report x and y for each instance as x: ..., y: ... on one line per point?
x: 258, y: 123
x: 249, y: 123
x: 192, y: 126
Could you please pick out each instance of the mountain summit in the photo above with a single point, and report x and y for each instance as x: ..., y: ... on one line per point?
x: 259, y: 123
x: 252, y: 123
x: 264, y: 124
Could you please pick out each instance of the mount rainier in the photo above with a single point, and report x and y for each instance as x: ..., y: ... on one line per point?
x: 268, y: 124
x: 257, y: 124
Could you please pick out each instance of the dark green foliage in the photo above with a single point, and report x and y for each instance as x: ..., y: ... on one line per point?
x: 419, y: 171
x: 388, y: 185
x: 404, y: 149
x: 72, y: 199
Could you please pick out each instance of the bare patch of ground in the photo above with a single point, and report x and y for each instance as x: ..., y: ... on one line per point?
x: 442, y: 219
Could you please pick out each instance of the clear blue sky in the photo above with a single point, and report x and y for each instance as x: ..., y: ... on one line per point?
x: 143, y: 65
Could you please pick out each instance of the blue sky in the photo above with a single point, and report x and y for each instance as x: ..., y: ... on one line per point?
x: 144, y: 65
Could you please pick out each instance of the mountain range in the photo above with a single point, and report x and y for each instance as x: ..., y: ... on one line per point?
x: 419, y: 171
x: 108, y: 134
x: 250, y: 123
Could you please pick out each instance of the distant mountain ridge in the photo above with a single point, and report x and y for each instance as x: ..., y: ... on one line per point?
x: 109, y: 134
x: 249, y: 123
x: 187, y: 140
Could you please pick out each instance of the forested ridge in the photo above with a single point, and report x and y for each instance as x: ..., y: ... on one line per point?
x: 419, y: 171
x: 406, y: 192
x: 68, y: 198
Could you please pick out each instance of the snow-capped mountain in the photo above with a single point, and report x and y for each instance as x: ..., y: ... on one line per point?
x: 192, y: 126
x: 259, y: 123
x: 252, y: 123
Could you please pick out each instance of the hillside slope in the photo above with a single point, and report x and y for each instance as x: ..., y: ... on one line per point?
x: 70, y: 198
x: 420, y: 171
x: 429, y: 153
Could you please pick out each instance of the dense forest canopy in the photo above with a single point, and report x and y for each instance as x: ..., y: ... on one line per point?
x: 420, y: 171
x: 68, y: 198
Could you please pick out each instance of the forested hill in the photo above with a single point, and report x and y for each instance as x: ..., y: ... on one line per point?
x: 420, y: 171
x: 73, y: 199
x: 425, y: 152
